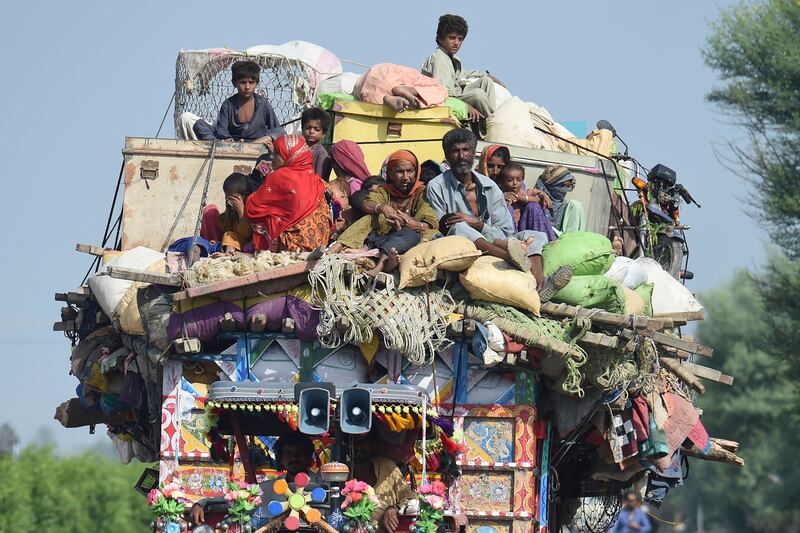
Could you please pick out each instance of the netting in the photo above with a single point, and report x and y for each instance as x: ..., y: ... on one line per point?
x: 203, y: 82
x: 353, y: 308
x: 596, y: 514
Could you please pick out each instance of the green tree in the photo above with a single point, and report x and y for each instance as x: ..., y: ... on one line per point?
x: 87, y: 493
x: 755, y: 50
x: 762, y: 496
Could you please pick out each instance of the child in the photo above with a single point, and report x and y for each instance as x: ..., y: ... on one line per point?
x: 245, y: 116
x: 446, y: 67
x: 315, y: 123
x: 525, y: 206
x: 370, y: 184
x: 342, y: 214
x: 236, y: 229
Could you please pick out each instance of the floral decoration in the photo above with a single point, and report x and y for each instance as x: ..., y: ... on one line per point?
x: 360, y: 501
x: 432, y: 504
x: 168, y: 502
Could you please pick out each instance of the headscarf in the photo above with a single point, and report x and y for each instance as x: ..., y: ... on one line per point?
x: 391, y: 161
x: 349, y: 156
x: 486, y: 155
x: 290, y: 193
x: 552, y: 182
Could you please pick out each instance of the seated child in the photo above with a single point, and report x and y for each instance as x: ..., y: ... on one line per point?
x: 235, y: 228
x: 315, y: 123
x: 399, y: 87
x: 525, y: 205
x: 445, y: 66
x: 372, y: 183
x: 400, y: 215
x: 341, y: 212
x: 245, y: 116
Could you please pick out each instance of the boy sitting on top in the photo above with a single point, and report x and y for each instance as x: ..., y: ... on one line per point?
x: 315, y: 123
x: 245, y: 116
x: 445, y: 66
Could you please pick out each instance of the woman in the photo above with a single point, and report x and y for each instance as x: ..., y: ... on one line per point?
x: 349, y: 165
x: 399, y: 215
x: 399, y: 87
x: 288, y: 212
x: 493, y: 158
x: 564, y: 215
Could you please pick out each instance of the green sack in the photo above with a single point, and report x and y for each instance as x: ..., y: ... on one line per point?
x: 458, y: 108
x: 588, y: 253
x: 645, y: 290
x: 595, y: 292
x: 326, y: 100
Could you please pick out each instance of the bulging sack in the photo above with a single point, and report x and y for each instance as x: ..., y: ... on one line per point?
x: 628, y: 272
x: 645, y: 291
x: 588, y: 253
x: 419, y: 264
x: 595, y: 292
x: 634, y: 303
x: 494, y: 280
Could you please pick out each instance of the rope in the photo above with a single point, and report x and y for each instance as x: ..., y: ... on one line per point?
x: 203, y: 199
x: 166, y: 112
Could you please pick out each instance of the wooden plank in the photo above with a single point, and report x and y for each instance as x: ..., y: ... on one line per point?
x: 91, y: 249
x: 683, y: 374
x: 681, y: 344
x: 708, y: 373
x: 66, y: 325
x: 687, y: 316
x: 268, y: 281
x: 604, y: 317
x: 72, y: 298
x: 133, y: 274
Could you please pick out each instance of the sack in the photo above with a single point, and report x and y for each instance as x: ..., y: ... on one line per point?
x: 588, y: 253
x: 595, y: 292
x: 511, y: 124
x: 419, y: 264
x: 645, y: 291
x: 628, y: 272
x: 670, y: 296
x: 494, y: 280
x: 634, y: 304
x: 110, y: 292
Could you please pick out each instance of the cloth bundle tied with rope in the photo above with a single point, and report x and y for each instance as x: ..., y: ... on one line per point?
x: 412, y: 322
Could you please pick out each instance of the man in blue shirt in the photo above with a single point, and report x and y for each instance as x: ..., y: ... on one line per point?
x: 471, y: 205
x: 631, y: 518
x: 245, y: 116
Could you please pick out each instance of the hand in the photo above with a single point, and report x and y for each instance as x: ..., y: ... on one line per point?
x: 471, y: 221
x: 236, y: 203
x: 541, y: 196
x: 393, y: 217
x: 413, y: 223
x: 197, y: 514
x: 266, y: 140
x: 474, y: 114
x: 390, y: 519
x: 510, y: 197
x: 498, y: 82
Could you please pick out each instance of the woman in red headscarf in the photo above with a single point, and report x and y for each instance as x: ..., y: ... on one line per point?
x: 398, y: 215
x: 349, y: 164
x: 289, y: 212
x: 493, y: 158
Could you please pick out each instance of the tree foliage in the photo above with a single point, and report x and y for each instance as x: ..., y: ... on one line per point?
x: 755, y: 50
x: 757, y: 412
x: 87, y: 493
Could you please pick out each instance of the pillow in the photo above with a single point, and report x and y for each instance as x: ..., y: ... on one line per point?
x: 419, y: 264
x: 494, y: 280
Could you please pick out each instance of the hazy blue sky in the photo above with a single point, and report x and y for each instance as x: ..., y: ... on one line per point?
x: 79, y: 76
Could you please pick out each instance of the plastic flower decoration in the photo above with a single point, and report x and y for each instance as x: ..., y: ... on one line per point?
x: 432, y: 504
x: 168, y: 502
x: 243, y: 499
x: 359, y: 504
x: 297, y: 502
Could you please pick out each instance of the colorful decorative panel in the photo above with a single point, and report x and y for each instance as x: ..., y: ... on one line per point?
x: 524, y: 492
x: 275, y: 361
x: 489, y: 439
x: 522, y: 526
x: 489, y: 526
x: 486, y: 491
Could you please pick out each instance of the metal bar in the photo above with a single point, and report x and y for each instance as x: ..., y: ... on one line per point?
x: 203, y: 199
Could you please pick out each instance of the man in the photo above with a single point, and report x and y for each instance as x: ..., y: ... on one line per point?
x: 631, y: 518
x: 293, y: 452
x: 471, y: 205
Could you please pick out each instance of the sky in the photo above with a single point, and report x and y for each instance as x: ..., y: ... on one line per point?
x: 80, y: 76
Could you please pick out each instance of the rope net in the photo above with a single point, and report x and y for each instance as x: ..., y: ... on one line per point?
x: 203, y: 82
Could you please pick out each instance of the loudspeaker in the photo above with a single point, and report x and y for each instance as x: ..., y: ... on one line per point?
x: 355, y: 415
x: 313, y: 402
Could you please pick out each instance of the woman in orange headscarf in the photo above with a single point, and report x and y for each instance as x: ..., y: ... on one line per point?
x: 493, y: 159
x: 288, y: 212
x: 398, y: 215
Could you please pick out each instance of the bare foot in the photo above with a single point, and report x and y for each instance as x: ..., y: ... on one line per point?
x: 410, y: 95
x: 379, y: 266
x: 392, y: 261
x: 398, y: 103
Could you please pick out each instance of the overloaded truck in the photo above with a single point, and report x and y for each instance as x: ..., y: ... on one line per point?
x: 518, y: 416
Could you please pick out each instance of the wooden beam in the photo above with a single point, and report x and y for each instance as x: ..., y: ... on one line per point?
x: 681, y: 344
x: 72, y: 298
x: 674, y: 366
x: 267, y: 282
x: 66, y: 325
x: 606, y: 318
x: 717, y: 453
x: 71, y: 414
x: 687, y: 316
x: 708, y: 373
x: 133, y: 274
x: 91, y: 249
